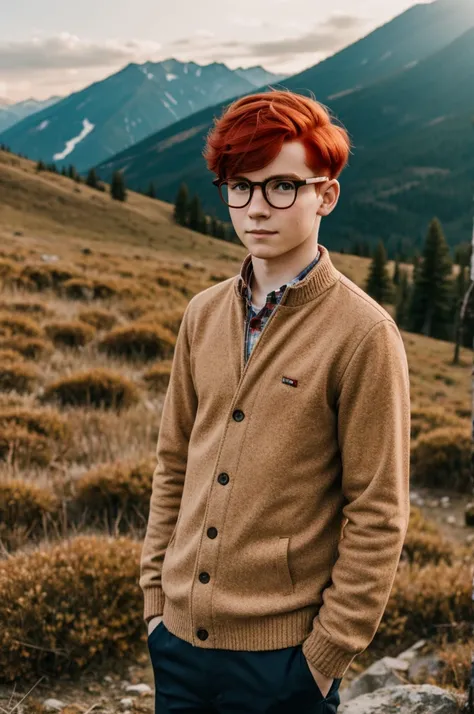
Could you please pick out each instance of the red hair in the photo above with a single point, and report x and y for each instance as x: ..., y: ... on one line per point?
x: 251, y: 131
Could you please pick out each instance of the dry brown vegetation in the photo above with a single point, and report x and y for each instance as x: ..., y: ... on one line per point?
x: 92, y: 295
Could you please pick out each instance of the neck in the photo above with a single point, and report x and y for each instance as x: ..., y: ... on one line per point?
x: 271, y: 273
x: 323, y: 275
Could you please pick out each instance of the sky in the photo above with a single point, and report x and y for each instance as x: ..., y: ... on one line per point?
x: 55, y: 48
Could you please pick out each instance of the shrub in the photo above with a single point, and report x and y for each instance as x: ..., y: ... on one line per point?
x: 119, y: 491
x: 25, y: 508
x: 78, y: 289
x: 421, y: 600
x: 424, y: 419
x: 29, y: 347
x: 45, y: 421
x: 69, y: 606
x: 19, y: 376
x: 98, y: 388
x: 171, y: 319
x: 32, y: 307
x: 71, y: 333
x: 98, y: 318
x: 31, y: 436
x: 138, y: 307
x: 105, y: 288
x: 139, y: 341
x: 13, y: 325
x: 423, y: 542
x: 7, y: 356
x: 8, y: 268
x: 158, y: 376
x: 443, y: 456
x: 42, y: 277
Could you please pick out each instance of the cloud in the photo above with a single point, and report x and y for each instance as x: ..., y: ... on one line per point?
x: 329, y: 36
x: 325, y: 38
x: 69, y: 52
x: 66, y: 51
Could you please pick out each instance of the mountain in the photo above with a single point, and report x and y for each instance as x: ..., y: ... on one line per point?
x: 97, y: 122
x: 258, y: 76
x: 420, y: 113
x: 399, y: 44
x: 11, y: 113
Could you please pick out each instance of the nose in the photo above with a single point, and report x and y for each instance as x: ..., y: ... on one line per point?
x: 258, y: 206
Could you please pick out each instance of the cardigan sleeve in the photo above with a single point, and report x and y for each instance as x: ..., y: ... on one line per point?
x: 373, y: 431
x: 177, y: 420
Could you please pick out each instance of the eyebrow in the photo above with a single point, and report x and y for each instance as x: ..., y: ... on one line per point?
x: 287, y: 175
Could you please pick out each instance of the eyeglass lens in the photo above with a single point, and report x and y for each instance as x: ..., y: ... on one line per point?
x: 280, y: 193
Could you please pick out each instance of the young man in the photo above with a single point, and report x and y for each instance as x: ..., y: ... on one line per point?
x: 280, y: 499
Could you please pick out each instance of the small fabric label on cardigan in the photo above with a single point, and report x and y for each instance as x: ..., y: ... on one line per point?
x: 291, y: 382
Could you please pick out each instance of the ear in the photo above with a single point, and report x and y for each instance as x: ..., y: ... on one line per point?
x: 330, y: 193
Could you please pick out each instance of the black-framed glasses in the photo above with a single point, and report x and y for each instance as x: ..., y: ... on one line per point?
x: 278, y: 191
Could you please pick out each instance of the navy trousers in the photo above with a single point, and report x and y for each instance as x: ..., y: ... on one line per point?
x: 190, y: 679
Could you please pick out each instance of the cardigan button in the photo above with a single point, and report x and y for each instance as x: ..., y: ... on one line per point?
x: 238, y: 415
x: 202, y: 634
x: 212, y: 532
x: 204, y: 577
x: 223, y: 478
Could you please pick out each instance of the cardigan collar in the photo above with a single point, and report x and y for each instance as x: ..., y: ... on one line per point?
x: 321, y: 276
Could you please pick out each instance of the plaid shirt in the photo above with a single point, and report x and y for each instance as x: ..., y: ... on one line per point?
x: 256, y: 320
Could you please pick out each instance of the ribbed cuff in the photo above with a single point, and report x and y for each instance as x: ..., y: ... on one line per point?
x: 324, y: 655
x: 154, y: 602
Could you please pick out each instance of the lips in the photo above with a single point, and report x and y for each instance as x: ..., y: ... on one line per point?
x: 263, y: 233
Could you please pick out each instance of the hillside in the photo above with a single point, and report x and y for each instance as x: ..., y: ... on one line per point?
x: 91, y: 298
x: 52, y: 211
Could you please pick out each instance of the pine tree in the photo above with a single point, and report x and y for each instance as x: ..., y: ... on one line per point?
x: 213, y: 227
x: 416, y: 266
x: 117, y: 187
x: 151, y: 190
x: 71, y: 172
x: 204, y: 225
x: 378, y: 283
x: 433, y: 289
x: 195, y: 213
x: 402, y: 304
x: 220, y: 232
x: 41, y: 166
x: 181, y: 206
x: 91, y: 179
x: 396, y: 271
x: 63, y: 171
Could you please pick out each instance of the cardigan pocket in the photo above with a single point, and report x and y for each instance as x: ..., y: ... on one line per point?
x: 283, y: 568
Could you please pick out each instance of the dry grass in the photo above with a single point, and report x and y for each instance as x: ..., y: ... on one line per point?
x: 117, y: 266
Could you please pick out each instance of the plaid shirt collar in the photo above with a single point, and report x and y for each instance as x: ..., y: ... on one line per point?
x: 273, y: 295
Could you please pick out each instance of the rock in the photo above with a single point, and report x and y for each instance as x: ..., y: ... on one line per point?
x: 379, y: 674
x: 412, y: 651
x: 451, y: 520
x: 431, y: 664
x: 54, y: 704
x: 403, y: 699
x: 138, y: 688
x: 126, y: 703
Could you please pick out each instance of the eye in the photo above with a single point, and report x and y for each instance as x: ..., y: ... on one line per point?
x: 234, y: 186
x: 281, y: 185
x: 288, y: 184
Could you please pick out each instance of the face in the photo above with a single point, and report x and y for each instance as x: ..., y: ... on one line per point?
x: 292, y: 226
